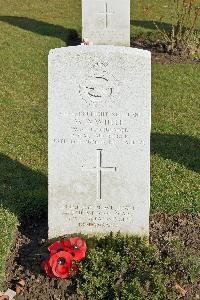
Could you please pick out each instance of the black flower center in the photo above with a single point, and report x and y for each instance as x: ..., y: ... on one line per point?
x: 76, y: 247
x: 61, y: 261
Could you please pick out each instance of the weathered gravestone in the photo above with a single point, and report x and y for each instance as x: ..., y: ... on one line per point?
x: 99, y: 140
x: 106, y: 22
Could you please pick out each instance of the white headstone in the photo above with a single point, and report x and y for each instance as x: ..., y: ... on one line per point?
x: 106, y: 22
x: 99, y: 140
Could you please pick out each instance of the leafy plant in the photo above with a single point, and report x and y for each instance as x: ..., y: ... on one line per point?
x: 124, y: 267
x: 183, y: 36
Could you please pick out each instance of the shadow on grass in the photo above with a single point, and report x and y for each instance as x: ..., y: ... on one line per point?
x: 22, y: 190
x: 24, y: 193
x: 41, y: 27
x: 182, y: 149
x: 151, y: 25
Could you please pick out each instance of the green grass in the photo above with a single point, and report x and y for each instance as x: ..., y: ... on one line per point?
x: 28, y: 30
x: 145, y: 13
x: 8, y: 223
x: 175, y: 146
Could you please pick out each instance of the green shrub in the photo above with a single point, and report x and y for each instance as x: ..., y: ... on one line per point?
x: 121, y: 267
x: 183, y: 37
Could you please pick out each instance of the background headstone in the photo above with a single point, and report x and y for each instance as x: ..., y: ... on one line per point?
x: 99, y: 140
x: 106, y: 22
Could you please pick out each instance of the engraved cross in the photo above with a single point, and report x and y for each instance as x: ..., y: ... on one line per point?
x: 99, y: 169
x: 106, y: 13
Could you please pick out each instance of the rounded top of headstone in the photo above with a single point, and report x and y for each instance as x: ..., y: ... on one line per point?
x: 104, y: 49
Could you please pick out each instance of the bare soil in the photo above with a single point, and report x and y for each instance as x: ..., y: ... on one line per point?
x: 160, y: 53
x: 31, y: 248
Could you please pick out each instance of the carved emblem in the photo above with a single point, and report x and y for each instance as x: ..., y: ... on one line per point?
x: 99, y: 87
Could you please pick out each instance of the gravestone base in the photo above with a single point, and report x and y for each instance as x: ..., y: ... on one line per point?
x: 99, y: 140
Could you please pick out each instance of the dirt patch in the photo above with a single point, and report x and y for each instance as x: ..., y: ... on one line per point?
x: 24, y: 263
x: 31, y: 248
x: 160, y: 53
x: 184, y: 227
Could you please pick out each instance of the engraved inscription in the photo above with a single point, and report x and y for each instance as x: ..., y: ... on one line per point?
x: 108, y: 33
x: 99, y: 216
x: 100, y: 128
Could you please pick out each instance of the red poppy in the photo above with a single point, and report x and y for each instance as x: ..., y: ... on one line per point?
x: 61, y: 264
x: 62, y: 254
x: 78, y: 248
x: 59, y: 246
x: 78, y: 243
x: 47, y: 268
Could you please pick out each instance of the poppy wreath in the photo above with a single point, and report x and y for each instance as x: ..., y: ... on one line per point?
x: 64, y: 256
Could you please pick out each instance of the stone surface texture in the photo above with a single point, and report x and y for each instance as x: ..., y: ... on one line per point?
x: 106, y: 22
x: 99, y: 140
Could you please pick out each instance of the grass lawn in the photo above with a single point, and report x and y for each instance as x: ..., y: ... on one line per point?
x: 28, y: 30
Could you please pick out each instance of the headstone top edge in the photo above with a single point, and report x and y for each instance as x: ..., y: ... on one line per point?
x: 93, y: 0
x: 100, y: 48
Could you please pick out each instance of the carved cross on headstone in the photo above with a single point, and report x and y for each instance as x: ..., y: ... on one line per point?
x: 99, y: 169
x: 106, y: 13
x: 106, y: 22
